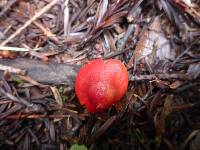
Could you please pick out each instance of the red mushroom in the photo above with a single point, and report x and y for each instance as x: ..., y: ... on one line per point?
x: 101, y: 83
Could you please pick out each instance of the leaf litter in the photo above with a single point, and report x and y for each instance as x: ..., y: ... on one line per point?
x: 43, y: 43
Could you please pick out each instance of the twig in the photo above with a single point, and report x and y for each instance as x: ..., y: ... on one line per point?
x: 10, y: 111
x: 47, y: 32
x: 131, y: 16
x: 36, y: 16
x: 34, y: 136
x: 15, y: 99
x: 160, y: 76
x: 132, y: 13
x: 131, y: 27
x: 36, y: 54
x: 17, y: 49
x: 30, y: 106
x: 66, y: 18
x: 129, y: 32
x: 30, y: 80
x: 111, y: 55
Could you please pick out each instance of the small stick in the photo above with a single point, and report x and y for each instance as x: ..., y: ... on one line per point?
x: 66, y: 18
x: 111, y: 55
x: 17, y: 49
x: 132, y: 13
x: 30, y: 106
x: 36, y: 54
x: 47, y: 32
x: 160, y: 76
x: 15, y: 99
x: 36, y: 16
x: 128, y: 33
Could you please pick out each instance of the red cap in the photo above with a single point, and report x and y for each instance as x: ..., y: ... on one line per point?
x: 101, y: 83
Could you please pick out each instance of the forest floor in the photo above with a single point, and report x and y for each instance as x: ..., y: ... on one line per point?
x: 43, y: 43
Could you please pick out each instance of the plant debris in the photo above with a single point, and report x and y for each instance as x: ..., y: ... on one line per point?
x: 43, y: 44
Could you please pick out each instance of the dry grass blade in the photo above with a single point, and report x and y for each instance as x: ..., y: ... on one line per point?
x: 57, y: 96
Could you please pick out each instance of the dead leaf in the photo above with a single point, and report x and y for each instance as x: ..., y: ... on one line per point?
x: 57, y: 95
x: 153, y: 46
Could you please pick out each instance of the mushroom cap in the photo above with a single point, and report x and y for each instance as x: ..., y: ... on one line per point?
x: 101, y: 83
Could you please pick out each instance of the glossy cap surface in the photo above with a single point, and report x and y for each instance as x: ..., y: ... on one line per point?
x: 100, y: 84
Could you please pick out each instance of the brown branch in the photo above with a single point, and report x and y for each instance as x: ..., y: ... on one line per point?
x: 51, y: 73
